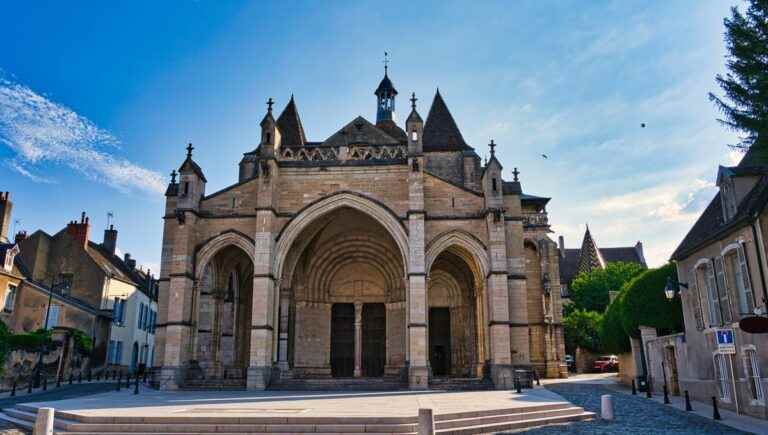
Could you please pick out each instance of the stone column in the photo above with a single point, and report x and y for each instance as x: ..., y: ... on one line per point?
x: 498, y: 304
x: 285, y: 306
x: 358, y: 339
x: 418, y: 374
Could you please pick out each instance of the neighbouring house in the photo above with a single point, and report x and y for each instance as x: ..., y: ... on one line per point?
x: 125, y: 296
x: 722, y: 262
x: 590, y: 256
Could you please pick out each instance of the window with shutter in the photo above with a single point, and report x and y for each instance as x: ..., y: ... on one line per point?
x: 713, y: 301
x: 753, y: 375
x: 746, y: 297
x: 53, y: 317
x: 722, y: 291
x: 696, y: 298
x: 721, y: 370
x: 141, y: 316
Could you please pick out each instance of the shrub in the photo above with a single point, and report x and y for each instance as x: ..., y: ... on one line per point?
x: 83, y: 343
x: 30, y: 341
x: 613, y: 337
x: 589, y: 291
x: 581, y: 330
x: 644, y: 303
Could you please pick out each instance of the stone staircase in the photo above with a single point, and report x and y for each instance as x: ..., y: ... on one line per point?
x: 338, y: 384
x: 472, y: 422
x: 460, y: 384
x: 214, y: 384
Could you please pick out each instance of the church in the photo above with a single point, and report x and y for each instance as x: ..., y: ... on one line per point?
x: 386, y: 254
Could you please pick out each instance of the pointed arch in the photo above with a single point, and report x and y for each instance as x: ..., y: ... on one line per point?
x: 461, y: 239
x: 306, y: 217
x: 209, y: 249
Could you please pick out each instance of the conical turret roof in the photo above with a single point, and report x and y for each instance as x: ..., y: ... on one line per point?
x: 440, y: 131
x: 590, y: 258
x: 289, y: 124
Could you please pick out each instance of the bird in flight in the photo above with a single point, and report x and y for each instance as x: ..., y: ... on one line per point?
x: 642, y: 125
x: 545, y: 156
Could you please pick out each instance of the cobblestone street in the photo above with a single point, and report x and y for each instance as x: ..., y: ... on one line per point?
x: 633, y: 415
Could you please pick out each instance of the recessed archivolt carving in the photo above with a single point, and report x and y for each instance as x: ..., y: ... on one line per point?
x: 465, y: 246
x: 213, y: 246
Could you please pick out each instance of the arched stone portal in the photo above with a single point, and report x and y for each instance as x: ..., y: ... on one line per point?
x: 455, y: 294
x: 342, y: 300
x: 223, y: 310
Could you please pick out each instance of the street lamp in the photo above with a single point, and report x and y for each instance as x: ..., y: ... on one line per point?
x: 673, y: 287
x: 60, y: 287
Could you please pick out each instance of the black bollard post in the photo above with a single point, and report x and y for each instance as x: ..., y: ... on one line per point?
x: 45, y: 383
x: 13, y: 388
x: 648, y: 390
x: 715, y: 412
x: 70, y: 378
x: 119, y: 380
x: 666, y: 396
x: 634, y: 388
x: 90, y: 375
x: 538, y: 379
x: 98, y: 376
x: 136, y: 385
x: 518, y: 385
x: 145, y: 375
x: 80, y: 377
x: 29, y: 387
x: 688, y: 406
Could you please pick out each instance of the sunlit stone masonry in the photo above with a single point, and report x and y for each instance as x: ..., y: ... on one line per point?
x: 381, y: 254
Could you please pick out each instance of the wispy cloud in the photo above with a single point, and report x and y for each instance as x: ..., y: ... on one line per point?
x: 41, y: 131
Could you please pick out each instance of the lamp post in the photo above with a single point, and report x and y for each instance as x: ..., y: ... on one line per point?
x: 672, y: 288
x: 64, y: 285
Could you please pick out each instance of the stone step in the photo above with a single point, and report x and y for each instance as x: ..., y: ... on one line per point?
x: 460, y: 384
x: 484, y: 421
x: 338, y: 384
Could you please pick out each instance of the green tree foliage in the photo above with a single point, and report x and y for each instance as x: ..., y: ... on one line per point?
x: 643, y: 303
x: 746, y: 83
x: 30, y: 341
x: 581, y: 330
x: 589, y: 291
x: 83, y: 343
x: 613, y: 337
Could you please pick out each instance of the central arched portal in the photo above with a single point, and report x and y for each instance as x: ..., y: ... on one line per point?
x: 342, y: 299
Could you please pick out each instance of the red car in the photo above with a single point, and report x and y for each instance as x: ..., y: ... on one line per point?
x: 606, y: 363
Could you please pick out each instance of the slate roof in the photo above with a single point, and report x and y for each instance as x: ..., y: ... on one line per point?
x: 389, y: 127
x: 360, y: 130
x: 291, y: 129
x: 190, y: 165
x: 532, y: 199
x: 116, y: 267
x: 569, y: 260
x: 385, y: 88
x: 440, y: 131
x: 710, y: 226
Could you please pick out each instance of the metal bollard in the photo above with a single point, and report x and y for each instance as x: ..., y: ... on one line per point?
x: 90, y: 375
x: 648, y: 390
x: 145, y: 375
x: 44, y: 422
x: 45, y: 383
x: 634, y: 388
x: 688, y: 406
x: 80, y: 377
x: 13, y: 388
x: 426, y: 422
x: 715, y: 412
x: 119, y: 380
x: 518, y: 385
x: 606, y: 407
x: 136, y: 385
x: 98, y: 376
x: 29, y: 387
x: 666, y: 396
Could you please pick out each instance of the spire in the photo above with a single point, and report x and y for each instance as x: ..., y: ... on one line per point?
x: 492, y: 146
x: 385, y: 96
x: 189, y: 165
x: 440, y: 131
x: 289, y: 124
x: 589, y: 256
x: 268, y: 118
x: 414, y: 116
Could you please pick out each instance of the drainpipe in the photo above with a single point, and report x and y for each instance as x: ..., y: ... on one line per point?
x: 757, y: 234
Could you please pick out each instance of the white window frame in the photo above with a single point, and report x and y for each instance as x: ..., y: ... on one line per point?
x: 713, y: 302
x: 752, y: 373
x: 698, y: 310
x: 720, y: 361
x: 10, y: 298
x: 721, y: 281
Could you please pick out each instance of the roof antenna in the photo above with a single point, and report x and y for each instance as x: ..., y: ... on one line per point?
x: 110, y: 217
x: 386, y: 62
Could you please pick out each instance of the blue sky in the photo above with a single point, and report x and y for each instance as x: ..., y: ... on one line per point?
x: 98, y: 100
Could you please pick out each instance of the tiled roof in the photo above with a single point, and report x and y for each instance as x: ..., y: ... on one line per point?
x: 711, y: 226
x: 440, y: 131
x: 289, y: 124
x: 569, y: 260
x: 389, y: 127
x: 360, y: 131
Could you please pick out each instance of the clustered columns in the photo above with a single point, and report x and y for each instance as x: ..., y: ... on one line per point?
x: 498, y: 290
x: 263, y: 311
x: 418, y: 373
x: 358, y: 339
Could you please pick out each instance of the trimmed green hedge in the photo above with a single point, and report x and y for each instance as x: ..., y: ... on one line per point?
x: 613, y: 337
x: 581, y: 330
x: 30, y: 341
x: 644, y: 303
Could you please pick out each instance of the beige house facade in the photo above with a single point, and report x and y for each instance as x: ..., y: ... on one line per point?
x: 722, y: 260
x: 381, y: 253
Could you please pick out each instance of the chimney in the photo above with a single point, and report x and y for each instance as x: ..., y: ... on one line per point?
x: 640, y: 253
x: 130, y: 262
x: 110, y: 239
x: 20, y: 237
x: 5, y: 214
x: 80, y: 230
x: 561, y: 245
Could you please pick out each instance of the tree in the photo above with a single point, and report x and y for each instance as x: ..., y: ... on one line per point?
x: 589, y: 291
x: 746, y: 83
x: 613, y: 337
x: 581, y: 330
x: 644, y: 303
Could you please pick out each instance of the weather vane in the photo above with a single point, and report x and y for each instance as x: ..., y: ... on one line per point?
x: 386, y: 62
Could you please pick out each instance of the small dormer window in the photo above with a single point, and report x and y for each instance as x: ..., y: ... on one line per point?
x: 728, y: 199
x: 269, y: 138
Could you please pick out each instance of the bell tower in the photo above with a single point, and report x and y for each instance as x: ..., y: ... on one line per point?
x: 385, y: 96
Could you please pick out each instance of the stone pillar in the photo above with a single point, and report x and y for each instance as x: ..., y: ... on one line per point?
x: 285, y: 306
x: 358, y: 339
x: 178, y: 315
x: 646, y: 334
x: 418, y: 374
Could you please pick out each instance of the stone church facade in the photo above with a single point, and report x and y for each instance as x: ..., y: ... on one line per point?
x: 380, y: 252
